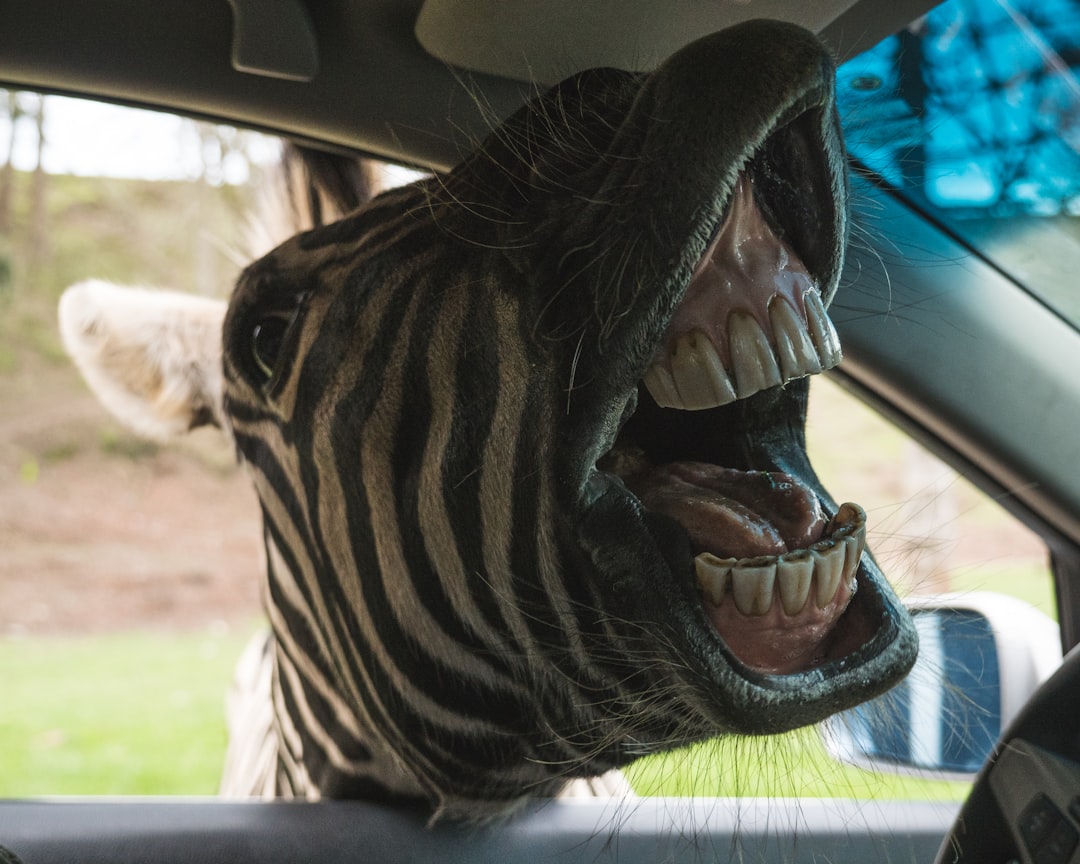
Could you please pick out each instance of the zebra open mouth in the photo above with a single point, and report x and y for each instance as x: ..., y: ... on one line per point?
x: 774, y: 573
x: 772, y: 594
x: 712, y: 441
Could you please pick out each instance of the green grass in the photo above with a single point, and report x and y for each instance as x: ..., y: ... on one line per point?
x: 127, y: 714
x: 1032, y: 584
x: 117, y: 441
x: 792, y: 765
x: 144, y: 714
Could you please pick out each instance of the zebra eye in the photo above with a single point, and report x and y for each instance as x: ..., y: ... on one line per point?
x: 267, y: 338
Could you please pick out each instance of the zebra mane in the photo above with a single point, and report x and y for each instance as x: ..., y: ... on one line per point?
x: 308, y: 188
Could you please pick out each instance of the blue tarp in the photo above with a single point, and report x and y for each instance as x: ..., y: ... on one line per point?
x: 975, y: 108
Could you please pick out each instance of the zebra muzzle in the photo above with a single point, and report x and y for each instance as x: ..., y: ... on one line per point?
x: 710, y: 442
x: 775, y: 575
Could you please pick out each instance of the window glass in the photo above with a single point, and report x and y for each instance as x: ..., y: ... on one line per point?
x: 130, y: 571
x: 973, y: 113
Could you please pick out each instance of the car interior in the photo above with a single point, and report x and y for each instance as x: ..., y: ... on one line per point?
x: 960, y: 330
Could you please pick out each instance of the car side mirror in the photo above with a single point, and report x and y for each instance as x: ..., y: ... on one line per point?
x: 981, y: 657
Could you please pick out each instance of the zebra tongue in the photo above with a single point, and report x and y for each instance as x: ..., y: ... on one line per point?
x: 731, y: 513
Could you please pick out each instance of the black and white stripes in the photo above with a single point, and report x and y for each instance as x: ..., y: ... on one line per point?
x: 466, y: 609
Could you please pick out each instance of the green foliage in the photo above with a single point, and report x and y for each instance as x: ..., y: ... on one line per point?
x: 117, y: 442
x: 7, y: 275
x: 60, y: 451
x: 137, y: 231
x: 29, y: 471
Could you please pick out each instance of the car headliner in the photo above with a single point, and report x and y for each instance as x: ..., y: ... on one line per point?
x: 371, y: 85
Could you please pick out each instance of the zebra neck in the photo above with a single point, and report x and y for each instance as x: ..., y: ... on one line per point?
x: 326, y: 745
x: 323, y: 750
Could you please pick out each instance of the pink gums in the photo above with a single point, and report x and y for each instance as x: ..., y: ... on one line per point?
x: 744, y: 267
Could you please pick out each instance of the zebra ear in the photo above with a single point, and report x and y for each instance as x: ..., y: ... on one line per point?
x: 153, y: 358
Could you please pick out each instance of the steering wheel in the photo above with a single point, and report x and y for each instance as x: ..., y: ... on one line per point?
x: 1025, y: 803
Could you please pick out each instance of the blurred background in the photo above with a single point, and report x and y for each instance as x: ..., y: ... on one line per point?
x: 130, y: 571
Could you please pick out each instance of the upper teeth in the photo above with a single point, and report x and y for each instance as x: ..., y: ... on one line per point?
x: 754, y: 582
x: 697, y: 377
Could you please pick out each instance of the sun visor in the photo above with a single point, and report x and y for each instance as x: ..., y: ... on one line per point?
x: 544, y: 42
x: 275, y: 39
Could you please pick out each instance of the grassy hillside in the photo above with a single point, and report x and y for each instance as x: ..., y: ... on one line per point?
x: 180, y: 235
x: 125, y: 597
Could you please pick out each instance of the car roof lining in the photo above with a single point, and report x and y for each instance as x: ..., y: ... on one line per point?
x: 545, y: 42
x: 372, y: 87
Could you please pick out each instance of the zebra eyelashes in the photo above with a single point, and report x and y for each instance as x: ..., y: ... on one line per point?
x: 267, y: 338
x: 271, y: 333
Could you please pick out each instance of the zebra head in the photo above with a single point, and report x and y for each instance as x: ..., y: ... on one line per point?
x: 528, y: 439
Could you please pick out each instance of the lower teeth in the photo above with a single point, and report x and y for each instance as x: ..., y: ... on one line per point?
x: 754, y: 583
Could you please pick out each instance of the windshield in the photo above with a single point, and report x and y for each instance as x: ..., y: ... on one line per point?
x: 973, y: 113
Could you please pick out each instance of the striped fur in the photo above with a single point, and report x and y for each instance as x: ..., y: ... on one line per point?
x: 467, y: 609
x: 433, y: 584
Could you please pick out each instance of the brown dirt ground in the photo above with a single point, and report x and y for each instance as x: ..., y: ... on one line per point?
x: 99, y: 531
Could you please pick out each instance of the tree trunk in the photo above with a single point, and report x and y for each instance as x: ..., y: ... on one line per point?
x: 7, y: 171
x: 39, y: 226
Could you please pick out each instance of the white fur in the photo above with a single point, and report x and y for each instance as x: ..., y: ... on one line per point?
x: 153, y: 358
